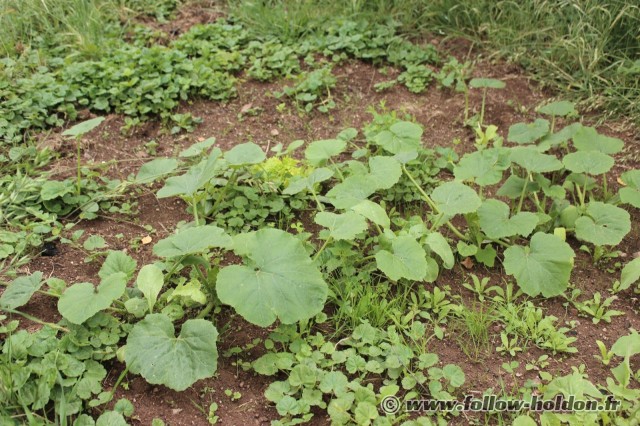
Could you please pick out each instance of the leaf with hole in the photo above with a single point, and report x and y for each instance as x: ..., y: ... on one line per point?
x: 544, y: 267
x: 495, y: 222
x: 604, y: 224
x: 280, y: 283
x: 154, y: 352
x: 454, y: 198
x: 193, y: 240
x: 82, y: 301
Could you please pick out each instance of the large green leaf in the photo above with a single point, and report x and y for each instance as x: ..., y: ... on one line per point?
x: 630, y: 194
x: 559, y: 137
x: 150, y: 281
x: 372, y: 211
x: 588, y: 139
x: 194, y: 179
x: 590, y: 162
x: 20, y: 291
x: 496, y: 223
x: 319, y: 152
x: 604, y: 224
x: 454, y: 198
x: 245, y: 153
x: 83, y: 127
x: 154, y: 352
x: 534, y: 161
x: 344, y: 226
x: 279, y: 280
x: 302, y: 183
x: 117, y: 261
x: 401, y: 137
x: 406, y: 260
x: 483, y: 167
x: 558, y: 109
x: 82, y: 301
x: 352, y: 191
x: 384, y: 171
x: 543, y: 267
x: 198, y: 148
x: 192, y: 240
x: 523, y: 133
x: 630, y: 274
x: 486, y: 83
x: 155, y: 169
x: 439, y: 245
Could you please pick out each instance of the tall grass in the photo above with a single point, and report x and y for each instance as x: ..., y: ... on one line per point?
x: 587, y: 49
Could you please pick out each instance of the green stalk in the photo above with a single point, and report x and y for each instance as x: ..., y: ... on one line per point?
x: 318, y: 203
x: 223, y: 192
x: 203, y: 313
x: 78, y: 166
x: 37, y: 321
x: 484, y: 97
x: 605, y: 189
x: 194, y: 207
x: 337, y: 169
x: 524, y: 189
x: 315, y: 257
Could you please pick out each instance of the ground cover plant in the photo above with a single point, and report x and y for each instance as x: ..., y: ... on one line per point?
x: 222, y: 221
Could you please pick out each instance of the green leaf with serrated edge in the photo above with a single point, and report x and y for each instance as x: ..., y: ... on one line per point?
x: 344, y: 226
x: 19, y: 292
x: 495, y: 222
x: 273, y: 284
x: 486, y: 83
x: 543, y: 267
x: 150, y: 281
x: 352, y: 191
x: 588, y: 139
x: 401, y: 136
x: 440, y: 246
x: 84, y: 127
x: 604, y: 224
x: 156, y: 169
x: 454, y: 198
x: 483, y: 167
x: 245, y: 153
x: 117, y: 261
x: 192, y: 240
x: 82, y: 301
x: 154, y: 352
x: 533, y: 161
x: 590, y: 162
x: 558, y: 109
x: 319, y: 152
x: 524, y: 133
x: 384, y: 171
x: 307, y: 182
x: 194, y: 179
x: 198, y: 148
x: 407, y: 260
x: 374, y: 212
x: 630, y: 274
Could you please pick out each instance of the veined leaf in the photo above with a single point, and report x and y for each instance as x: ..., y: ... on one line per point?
x: 319, y: 152
x: 352, y: 191
x: 588, y: 139
x: 19, y: 292
x: 631, y: 193
x: 523, y: 133
x: 534, y: 161
x: 384, y: 171
x: 194, y: 179
x: 487, y: 83
x: 483, y: 167
x: 150, y: 281
x: 155, y: 169
x: 83, y: 127
x: 401, y: 136
x: 308, y: 182
x: 496, y: 223
x: 198, y: 148
x: 192, y: 240
x: 604, y: 224
x: 407, y: 260
x: 245, y: 153
x: 630, y: 274
x: 454, y: 198
x: 344, y: 226
x: 439, y: 245
x: 372, y: 211
x: 117, y: 261
x: 590, y: 162
x: 558, y: 109
x: 82, y: 301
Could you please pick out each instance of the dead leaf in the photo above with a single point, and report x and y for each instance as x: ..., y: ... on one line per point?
x: 467, y: 263
x: 275, y: 132
x: 245, y: 108
x: 146, y: 240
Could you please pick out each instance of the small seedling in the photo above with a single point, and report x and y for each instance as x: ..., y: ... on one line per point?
x: 485, y: 84
x: 77, y: 132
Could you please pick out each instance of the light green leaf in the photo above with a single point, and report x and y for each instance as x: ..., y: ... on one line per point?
x: 191, y: 291
x: 83, y: 127
x: 486, y: 83
x: 543, y: 267
x: 117, y: 261
x: 483, y: 167
x: 275, y: 283
x: 439, y: 245
x: 308, y: 182
x: 245, y: 153
x: 384, y: 171
x: 590, y: 162
x: 533, y: 161
x: 524, y: 133
x: 192, y: 240
x: 343, y: 226
x: 194, y: 179
x: 524, y: 420
x: 558, y: 109
x: 156, y: 169
x: 53, y: 189
x: 454, y: 198
x: 319, y: 152
x: 402, y: 136
x: 408, y: 260
x: 198, y: 148
x: 82, y: 301
x: 557, y: 138
x: 631, y: 193
x: 150, y: 281
x: 588, y: 139
x: 374, y: 212
x: 352, y: 191
x: 94, y: 242
x: 630, y: 274
x: 19, y: 292
x: 604, y: 224
x: 111, y: 418
x: 496, y: 223
x: 627, y: 346
x: 156, y: 354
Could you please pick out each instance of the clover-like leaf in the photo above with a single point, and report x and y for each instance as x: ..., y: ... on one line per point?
x: 154, y: 352
x: 486, y: 83
x: 150, y: 281
x: 454, y: 198
x: 245, y: 153
x: 83, y: 127
x: 524, y: 133
x: 483, y: 167
x: 319, y: 152
x: 534, y: 161
x: 496, y: 223
x: 401, y: 137
x: 156, y: 169
x: 344, y: 226
x: 543, y: 267
x: 407, y: 260
x: 194, y: 179
x: 588, y: 139
x: 558, y: 109
x: 19, y: 292
x: 590, y: 162
x: 604, y: 224
x: 82, y: 301
x: 279, y: 279
x: 192, y: 240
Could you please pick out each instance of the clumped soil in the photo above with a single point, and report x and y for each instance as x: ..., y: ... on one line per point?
x: 441, y: 114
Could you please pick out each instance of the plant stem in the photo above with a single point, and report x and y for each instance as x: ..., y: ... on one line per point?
x: 223, y: 192
x: 120, y: 378
x: 315, y: 257
x: 605, y: 189
x: 337, y: 169
x: 37, y: 321
x: 318, y: 203
x: 524, y: 190
x: 484, y: 97
x: 203, y: 313
x: 194, y: 207
x: 78, y: 165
